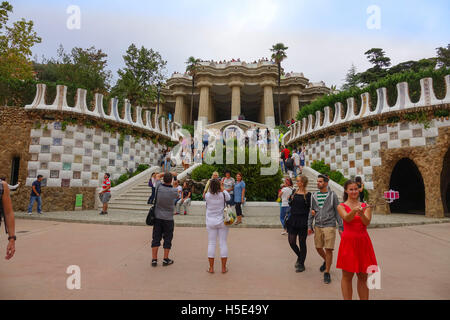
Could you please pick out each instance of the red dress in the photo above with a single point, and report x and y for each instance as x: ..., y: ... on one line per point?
x: 355, y: 250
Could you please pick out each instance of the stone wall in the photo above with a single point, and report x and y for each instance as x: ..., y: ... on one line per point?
x: 71, y: 159
x: 15, y: 129
x: 374, y: 152
x: 54, y: 199
x: 428, y: 159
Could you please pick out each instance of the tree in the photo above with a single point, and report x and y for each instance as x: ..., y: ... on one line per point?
x: 377, y: 57
x: 84, y: 68
x: 278, y: 55
x: 413, y: 66
x: 443, y: 57
x: 137, y: 81
x: 16, y: 42
x: 191, y: 69
x: 351, y: 79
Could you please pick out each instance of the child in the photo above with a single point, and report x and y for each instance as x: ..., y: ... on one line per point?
x: 179, y: 190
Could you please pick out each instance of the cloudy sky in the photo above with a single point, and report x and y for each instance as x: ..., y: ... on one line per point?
x: 324, y: 36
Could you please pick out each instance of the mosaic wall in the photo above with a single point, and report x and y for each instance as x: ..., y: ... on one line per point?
x: 355, y: 154
x: 79, y: 156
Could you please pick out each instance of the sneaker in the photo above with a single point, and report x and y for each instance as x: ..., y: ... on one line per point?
x: 326, y: 278
x: 300, y: 268
x: 323, y: 267
x: 284, y: 233
x: 30, y: 213
x: 101, y: 213
x: 154, y: 262
x: 167, y: 262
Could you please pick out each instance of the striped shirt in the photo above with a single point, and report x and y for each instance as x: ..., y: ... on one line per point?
x: 321, y: 196
x: 106, y: 184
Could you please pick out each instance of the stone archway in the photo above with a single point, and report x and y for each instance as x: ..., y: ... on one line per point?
x: 407, y: 179
x: 445, y: 183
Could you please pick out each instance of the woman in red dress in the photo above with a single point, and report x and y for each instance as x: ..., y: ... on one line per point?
x: 356, y: 253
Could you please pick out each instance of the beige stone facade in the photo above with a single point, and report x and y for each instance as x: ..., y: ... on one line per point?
x: 227, y: 91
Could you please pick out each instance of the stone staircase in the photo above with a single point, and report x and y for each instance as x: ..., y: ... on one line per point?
x: 134, y: 200
x: 312, y: 181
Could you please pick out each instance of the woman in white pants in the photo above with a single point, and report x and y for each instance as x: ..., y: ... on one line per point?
x: 215, y: 203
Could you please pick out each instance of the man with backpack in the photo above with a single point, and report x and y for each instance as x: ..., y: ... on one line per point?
x: 324, y: 213
x: 36, y: 195
x: 7, y: 215
x: 163, y: 227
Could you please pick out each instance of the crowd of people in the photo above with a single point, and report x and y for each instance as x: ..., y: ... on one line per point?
x: 301, y: 214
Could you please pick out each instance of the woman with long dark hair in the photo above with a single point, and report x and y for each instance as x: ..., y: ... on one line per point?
x: 239, y: 196
x: 297, y: 224
x: 356, y: 253
x: 284, y: 194
x: 216, y: 198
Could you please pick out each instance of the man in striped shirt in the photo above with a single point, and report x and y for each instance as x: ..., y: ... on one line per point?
x: 105, y: 195
x: 324, y: 213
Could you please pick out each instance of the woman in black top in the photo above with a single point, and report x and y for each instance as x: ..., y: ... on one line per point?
x: 297, y: 224
x: 360, y: 184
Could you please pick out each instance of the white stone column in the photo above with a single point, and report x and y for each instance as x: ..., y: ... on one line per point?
x: 269, y: 115
x: 203, y: 111
x: 235, y: 86
x: 295, y: 106
x: 179, y: 108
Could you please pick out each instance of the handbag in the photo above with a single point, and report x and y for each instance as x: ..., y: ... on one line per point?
x: 229, y: 217
x: 150, y: 221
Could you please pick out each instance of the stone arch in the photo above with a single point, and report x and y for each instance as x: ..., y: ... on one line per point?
x: 445, y: 183
x: 407, y: 179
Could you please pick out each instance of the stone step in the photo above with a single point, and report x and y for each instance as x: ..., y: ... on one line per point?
x: 199, y: 210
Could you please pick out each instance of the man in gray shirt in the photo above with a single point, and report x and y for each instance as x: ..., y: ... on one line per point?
x: 164, y: 224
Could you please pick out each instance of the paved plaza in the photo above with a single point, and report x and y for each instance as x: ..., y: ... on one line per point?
x: 115, y: 264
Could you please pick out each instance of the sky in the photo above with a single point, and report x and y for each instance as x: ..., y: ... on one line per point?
x: 324, y: 37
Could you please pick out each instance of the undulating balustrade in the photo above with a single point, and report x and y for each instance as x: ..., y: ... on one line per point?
x: 160, y: 126
x: 307, y: 126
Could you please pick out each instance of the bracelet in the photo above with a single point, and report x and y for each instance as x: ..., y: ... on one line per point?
x: 12, y: 237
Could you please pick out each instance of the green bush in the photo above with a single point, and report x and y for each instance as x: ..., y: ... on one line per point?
x: 204, y: 171
x: 258, y: 187
x: 336, y: 176
x: 441, y: 113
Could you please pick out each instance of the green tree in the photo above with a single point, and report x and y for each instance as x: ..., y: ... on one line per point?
x: 16, y: 42
x: 85, y: 68
x: 144, y: 68
x: 443, y: 57
x: 377, y: 57
x: 278, y: 55
x: 415, y: 66
x: 191, y: 69
x: 351, y: 79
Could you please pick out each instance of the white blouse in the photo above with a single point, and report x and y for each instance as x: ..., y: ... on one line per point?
x: 214, y: 207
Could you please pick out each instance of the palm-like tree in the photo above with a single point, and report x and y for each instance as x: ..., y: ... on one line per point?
x: 191, y: 69
x: 278, y: 55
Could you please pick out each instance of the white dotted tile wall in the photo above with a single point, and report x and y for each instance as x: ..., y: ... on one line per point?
x: 355, y: 154
x: 79, y: 156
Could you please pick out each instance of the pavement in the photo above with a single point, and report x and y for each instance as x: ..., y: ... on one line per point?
x: 268, y: 218
x: 114, y: 262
